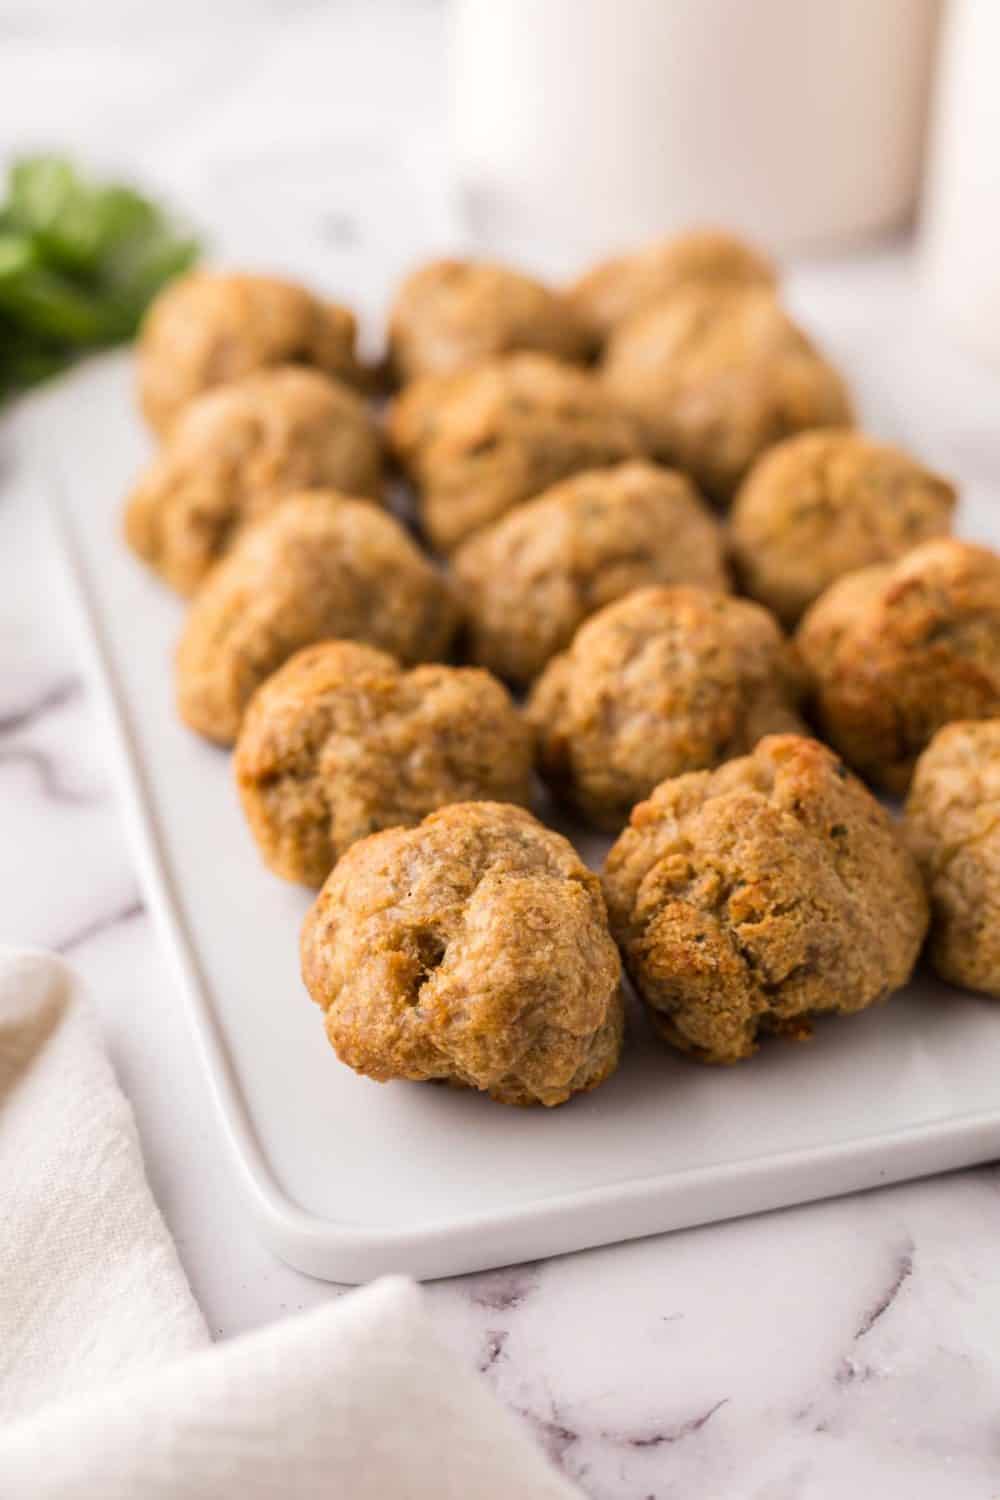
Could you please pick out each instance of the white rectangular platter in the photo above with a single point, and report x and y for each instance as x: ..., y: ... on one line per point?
x: 347, y: 1179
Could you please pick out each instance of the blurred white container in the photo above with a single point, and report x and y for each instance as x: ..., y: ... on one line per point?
x: 583, y: 125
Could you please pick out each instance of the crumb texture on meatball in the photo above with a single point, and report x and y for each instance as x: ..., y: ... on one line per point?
x: 342, y: 742
x: 953, y: 827
x: 321, y: 567
x: 532, y: 578
x: 474, y: 948
x: 480, y: 442
x: 897, y: 650
x: 234, y: 454
x: 664, y: 681
x: 211, y: 328
x: 749, y: 899
x: 825, y: 503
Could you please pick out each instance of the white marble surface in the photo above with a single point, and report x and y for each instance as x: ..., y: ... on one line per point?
x: 853, y: 1344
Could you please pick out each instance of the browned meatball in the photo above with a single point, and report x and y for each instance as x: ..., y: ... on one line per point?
x: 953, y: 827
x: 234, y: 454
x: 211, y: 328
x: 896, y: 650
x: 341, y: 742
x: 480, y: 442
x: 667, y: 680
x: 824, y: 503
x: 529, y: 580
x: 718, y: 375
x: 455, y: 313
x: 612, y: 291
x: 321, y: 567
x: 751, y: 898
x: 474, y: 948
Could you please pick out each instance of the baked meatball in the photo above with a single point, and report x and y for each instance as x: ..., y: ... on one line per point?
x: 664, y: 681
x: 716, y: 375
x: 211, y: 328
x: 896, y: 650
x: 480, y: 442
x: 473, y: 948
x: 342, y: 742
x: 454, y: 313
x: 748, y: 899
x: 321, y: 567
x: 953, y: 827
x: 529, y: 580
x: 825, y: 503
x: 612, y: 291
x: 233, y: 454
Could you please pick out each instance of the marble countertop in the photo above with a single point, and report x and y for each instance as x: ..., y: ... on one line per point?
x: 785, y: 1357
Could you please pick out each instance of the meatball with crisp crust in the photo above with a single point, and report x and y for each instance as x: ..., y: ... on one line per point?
x: 749, y: 899
x: 210, y: 328
x: 897, y: 650
x: 234, y: 454
x: 473, y: 949
x: 342, y: 742
x: 532, y: 578
x: 825, y: 503
x: 665, y: 681
x: 321, y: 567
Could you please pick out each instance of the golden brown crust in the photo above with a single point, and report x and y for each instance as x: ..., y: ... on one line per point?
x: 210, y: 328
x: 953, y: 827
x: 321, y: 567
x: 664, y: 681
x: 715, y: 376
x: 480, y: 442
x: 532, y: 578
x: 341, y: 743
x: 473, y: 948
x: 896, y: 650
x: 234, y: 454
x: 825, y: 503
x: 751, y: 898
x: 452, y: 314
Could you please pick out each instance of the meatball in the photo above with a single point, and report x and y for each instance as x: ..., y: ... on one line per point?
x: 896, y: 650
x: 342, y: 742
x: 233, y: 454
x: 529, y: 580
x: 664, y: 681
x: 718, y: 375
x: 209, y: 328
x: 454, y: 313
x: 473, y: 948
x: 953, y: 827
x: 480, y: 442
x: 612, y: 291
x: 748, y: 899
x: 321, y: 567
x: 825, y: 503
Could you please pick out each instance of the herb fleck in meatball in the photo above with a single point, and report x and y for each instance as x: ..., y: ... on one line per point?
x: 529, y: 580
x: 234, y: 454
x: 751, y: 898
x: 953, y: 827
x: 825, y: 503
x: 473, y: 948
x: 897, y: 650
x: 480, y: 442
x: 211, y: 328
x: 718, y: 375
x: 664, y: 681
x: 321, y: 567
x: 342, y: 742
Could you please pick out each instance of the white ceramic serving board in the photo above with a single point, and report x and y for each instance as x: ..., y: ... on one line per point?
x: 347, y: 1179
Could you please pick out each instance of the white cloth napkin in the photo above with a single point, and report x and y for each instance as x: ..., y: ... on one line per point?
x: 109, y: 1386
